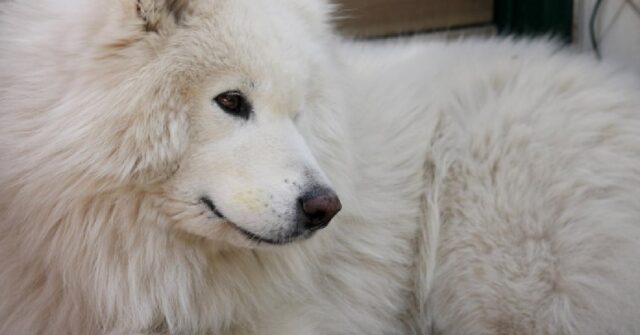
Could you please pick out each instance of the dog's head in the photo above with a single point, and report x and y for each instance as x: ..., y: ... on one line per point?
x: 247, y: 175
x: 201, y: 103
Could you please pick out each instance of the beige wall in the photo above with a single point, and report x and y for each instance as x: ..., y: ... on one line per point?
x: 389, y: 17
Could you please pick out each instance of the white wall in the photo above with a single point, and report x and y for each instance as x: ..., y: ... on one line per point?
x: 617, y: 31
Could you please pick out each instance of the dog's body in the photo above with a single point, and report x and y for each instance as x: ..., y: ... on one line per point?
x: 488, y: 187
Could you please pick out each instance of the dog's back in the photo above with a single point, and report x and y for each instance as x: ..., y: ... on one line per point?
x: 532, y: 168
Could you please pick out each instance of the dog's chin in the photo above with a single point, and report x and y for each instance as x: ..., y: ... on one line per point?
x: 254, y: 239
x: 248, y: 238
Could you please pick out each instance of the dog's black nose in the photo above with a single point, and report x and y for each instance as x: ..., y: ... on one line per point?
x: 318, y: 206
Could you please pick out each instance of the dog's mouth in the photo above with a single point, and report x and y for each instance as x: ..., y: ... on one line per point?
x: 249, y: 235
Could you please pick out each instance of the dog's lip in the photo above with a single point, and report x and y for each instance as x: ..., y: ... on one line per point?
x: 209, y: 203
x: 251, y: 236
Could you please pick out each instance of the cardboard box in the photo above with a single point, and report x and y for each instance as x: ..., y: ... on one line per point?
x: 370, y: 18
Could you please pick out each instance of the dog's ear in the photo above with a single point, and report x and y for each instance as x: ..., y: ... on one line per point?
x: 160, y: 14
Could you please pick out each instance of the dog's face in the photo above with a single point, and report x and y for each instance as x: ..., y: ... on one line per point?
x: 249, y: 175
x: 209, y: 98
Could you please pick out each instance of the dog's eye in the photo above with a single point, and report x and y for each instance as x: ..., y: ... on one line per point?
x: 234, y: 103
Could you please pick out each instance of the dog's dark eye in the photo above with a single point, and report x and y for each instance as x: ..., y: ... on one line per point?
x: 234, y: 103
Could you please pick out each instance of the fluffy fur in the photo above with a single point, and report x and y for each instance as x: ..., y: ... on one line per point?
x: 488, y: 187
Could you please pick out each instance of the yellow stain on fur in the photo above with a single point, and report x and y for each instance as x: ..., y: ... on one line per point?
x: 248, y: 199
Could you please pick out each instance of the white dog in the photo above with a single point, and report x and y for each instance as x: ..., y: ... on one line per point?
x: 157, y: 155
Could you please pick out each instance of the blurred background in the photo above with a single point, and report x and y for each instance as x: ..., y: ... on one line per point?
x: 610, y: 29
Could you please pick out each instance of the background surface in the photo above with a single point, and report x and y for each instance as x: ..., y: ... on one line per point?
x: 616, y: 23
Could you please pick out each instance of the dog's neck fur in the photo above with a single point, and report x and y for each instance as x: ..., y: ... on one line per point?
x: 104, y: 276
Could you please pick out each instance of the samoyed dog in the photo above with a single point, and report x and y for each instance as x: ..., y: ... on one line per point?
x: 167, y: 167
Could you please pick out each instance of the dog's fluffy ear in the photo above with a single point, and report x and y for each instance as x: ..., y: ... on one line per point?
x: 160, y: 14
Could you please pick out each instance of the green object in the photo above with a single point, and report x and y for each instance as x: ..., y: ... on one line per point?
x: 535, y: 17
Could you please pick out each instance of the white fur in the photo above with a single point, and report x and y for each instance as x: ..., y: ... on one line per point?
x: 489, y: 187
